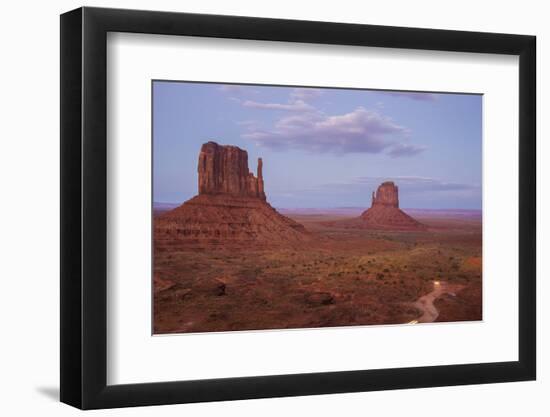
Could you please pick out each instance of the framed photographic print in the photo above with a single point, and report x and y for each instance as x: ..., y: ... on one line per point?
x: 258, y: 207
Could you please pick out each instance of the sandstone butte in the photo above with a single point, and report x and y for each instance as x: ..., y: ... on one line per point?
x: 385, y: 213
x: 231, y: 208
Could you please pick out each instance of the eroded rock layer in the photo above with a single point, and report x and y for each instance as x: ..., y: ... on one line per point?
x: 218, y: 220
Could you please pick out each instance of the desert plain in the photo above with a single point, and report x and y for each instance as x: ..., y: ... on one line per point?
x: 339, y: 276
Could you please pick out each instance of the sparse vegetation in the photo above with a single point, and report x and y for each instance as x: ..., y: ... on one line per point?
x: 351, y: 278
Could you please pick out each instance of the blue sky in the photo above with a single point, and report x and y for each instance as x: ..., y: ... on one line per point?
x: 323, y: 147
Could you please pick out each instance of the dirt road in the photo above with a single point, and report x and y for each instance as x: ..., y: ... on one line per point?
x: 426, y: 303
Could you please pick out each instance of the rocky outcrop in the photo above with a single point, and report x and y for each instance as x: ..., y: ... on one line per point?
x: 385, y: 213
x: 386, y: 195
x: 224, y: 170
x: 230, y: 210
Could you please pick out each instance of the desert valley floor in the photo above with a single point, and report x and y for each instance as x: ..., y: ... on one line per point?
x: 343, y: 276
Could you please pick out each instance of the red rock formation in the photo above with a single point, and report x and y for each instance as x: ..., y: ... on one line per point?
x: 230, y: 209
x: 224, y: 170
x: 385, y: 213
x: 386, y: 195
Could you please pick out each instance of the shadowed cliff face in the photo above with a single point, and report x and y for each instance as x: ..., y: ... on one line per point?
x: 224, y: 170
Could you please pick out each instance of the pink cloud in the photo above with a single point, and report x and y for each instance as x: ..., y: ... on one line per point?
x: 361, y: 130
x: 297, y: 105
x: 412, y: 95
x: 305, y: 93
x: 405, y: 149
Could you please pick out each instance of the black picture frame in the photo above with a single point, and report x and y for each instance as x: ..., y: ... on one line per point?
x: 84, y: 207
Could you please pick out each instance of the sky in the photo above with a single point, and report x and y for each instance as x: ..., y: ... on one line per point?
x: 323, y: 147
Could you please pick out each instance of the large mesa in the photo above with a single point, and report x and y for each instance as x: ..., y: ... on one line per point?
x: 230, y: 209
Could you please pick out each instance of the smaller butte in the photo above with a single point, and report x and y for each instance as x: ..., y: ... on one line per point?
x: 384, y: 212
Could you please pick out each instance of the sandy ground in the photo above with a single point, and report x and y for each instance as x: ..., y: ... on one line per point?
x: 343, y: 278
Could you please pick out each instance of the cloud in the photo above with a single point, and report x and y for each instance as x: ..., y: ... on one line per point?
x: 307, y: 128
x: 411, y: 95
x: 405, y: 149
x: 305, y: 93
x: 297, y: 101
x: 298, y: 106
x: 361, y: 130
x: 237, y: 90
x: 231, y: 88
x: 416, y: 183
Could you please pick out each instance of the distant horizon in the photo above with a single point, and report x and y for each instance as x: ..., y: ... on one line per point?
x: 168, y: 203
x: 324, y: 147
